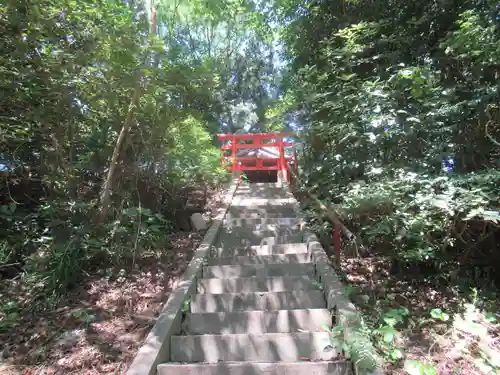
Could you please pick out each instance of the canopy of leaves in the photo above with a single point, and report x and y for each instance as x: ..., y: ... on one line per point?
x: 399, y: 105
x: 76, y: 76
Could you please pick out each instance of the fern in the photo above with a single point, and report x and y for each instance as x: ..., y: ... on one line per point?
x: 358, y: 339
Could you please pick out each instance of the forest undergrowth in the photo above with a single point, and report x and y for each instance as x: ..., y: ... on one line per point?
x: 423, y: 316
x: 98, y: 326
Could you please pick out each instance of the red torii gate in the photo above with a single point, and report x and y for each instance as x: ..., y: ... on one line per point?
x: 281, y: 163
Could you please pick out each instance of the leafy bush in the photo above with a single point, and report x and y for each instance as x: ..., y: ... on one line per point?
x: 100, y: 128
x: 400, y: 124
x: 416, y: 216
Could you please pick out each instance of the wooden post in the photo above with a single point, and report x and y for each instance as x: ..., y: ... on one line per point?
x: 233, y: 154
x: 238, y: 168
x: 295, y: 166
x: 257, y: 141
x: 282, y: 166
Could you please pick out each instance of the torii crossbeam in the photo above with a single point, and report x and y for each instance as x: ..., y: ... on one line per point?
x: 258, y: 152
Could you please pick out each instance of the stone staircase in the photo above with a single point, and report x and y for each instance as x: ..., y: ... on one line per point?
x: 258, y: 308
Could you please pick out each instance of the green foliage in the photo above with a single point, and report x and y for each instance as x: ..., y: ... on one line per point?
x: 9, y: 315
x: 361, y: 349
x: 364, y: 342
x: 83, y: 316
x: 397, y: 110
x: 475, y: 38
x: 439, y: 314
x: 186, y: 305
x: 417, y: 368
x: 68, y: 74
x: 400, y: 125
x: 192, y: 152
x: 385, y: 334
x: 416, y: 213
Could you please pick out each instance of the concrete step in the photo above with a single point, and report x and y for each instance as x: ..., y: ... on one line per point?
x: 246, y: 236
x: 247, y: 201
x: 235, y: 242
x: 258, y: 368
x: 264, y: 259
x: 269, y: 194
x: 262, y: 189
x: 238, y: 214
x: 262, y: 211
x: 262, y: 225
x: 231, y: 302
x: 261, y: 230
x: 272, y: 198
x: 228, y: 248
x: 260, y: 186
x: 255, y: 284
x: 267, y: 347
x: 258, y: 322
x: 254, y: 221
x: 258, y: 270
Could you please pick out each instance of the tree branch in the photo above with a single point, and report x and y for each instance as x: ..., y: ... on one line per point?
x: 334, y: 218
x: 108, y: 184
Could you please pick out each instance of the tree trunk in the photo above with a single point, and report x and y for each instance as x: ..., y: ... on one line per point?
x: 108, y: 185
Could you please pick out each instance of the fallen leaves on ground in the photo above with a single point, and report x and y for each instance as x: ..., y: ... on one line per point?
x: 443, y: 345
x: 99, y: 327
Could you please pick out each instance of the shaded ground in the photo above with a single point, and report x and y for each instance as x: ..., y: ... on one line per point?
x: 458, y: 345
x: 99, y: 327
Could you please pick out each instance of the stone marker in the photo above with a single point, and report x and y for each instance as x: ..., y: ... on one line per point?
x: 198, y: 222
